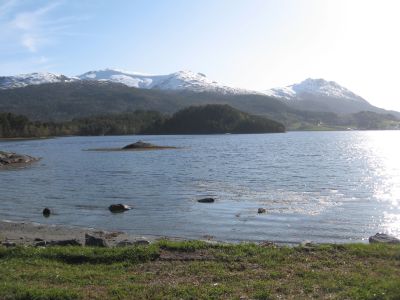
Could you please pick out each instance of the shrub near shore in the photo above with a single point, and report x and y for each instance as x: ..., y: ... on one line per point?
x: 197, y: 270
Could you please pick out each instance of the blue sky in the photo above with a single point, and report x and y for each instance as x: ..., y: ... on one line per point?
x: 254, y: 44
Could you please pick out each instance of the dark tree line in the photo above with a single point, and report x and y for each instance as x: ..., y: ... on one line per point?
x: 192, y: 120
x: 12, y: 126
x: 214, y: 118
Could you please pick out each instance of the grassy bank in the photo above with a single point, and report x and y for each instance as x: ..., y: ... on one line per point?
x: 196, y: 270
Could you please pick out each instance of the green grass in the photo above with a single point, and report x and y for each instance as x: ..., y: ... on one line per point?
x: 197, y: 270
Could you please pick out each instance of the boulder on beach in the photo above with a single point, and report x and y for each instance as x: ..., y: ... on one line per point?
x: 93, y: 241
x: 71, y: 242
x: 10, y: 158
x: 127, y: 243
x: 117, y: 208
x: 8, y: 244
x: 206, y: 200
x: 383, y: 238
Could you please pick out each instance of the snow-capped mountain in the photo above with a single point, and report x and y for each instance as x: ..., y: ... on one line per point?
x: 182, y: 80
x: 314, y: 88
x: 322, y: 96
x: 17, y: 81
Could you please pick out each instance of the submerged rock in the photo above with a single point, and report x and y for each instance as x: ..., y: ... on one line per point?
x: 383, y: 238
x: 262, y: 210
x: 93, y: 241
x: 9, y: 159
x: 206, y: 200
x: 117, y: 208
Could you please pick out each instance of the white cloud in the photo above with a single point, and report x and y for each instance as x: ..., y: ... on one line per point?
x: 29, y: 42
x: 30, y: 26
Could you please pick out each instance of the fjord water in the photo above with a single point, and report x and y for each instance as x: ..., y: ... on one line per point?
x: 319, y: 186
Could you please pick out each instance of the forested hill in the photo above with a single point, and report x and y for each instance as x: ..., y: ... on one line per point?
x: 204, y: 119
x: 214, y: 119
x: 66, y: 101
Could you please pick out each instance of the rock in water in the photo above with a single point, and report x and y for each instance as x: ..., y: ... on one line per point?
x: 139, y: 145
x: 117, y: 208
x: 46, y: 212
x: 262, y: 210
x: 206, y: 200
x: 383, y: 238
x: 9, y: 159
x: 93, y: 241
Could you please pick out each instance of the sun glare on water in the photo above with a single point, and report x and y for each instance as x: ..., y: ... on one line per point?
x: 385, y: 150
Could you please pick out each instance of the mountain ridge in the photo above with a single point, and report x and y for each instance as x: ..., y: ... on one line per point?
x: 317, y: 95
x: 180, y: 80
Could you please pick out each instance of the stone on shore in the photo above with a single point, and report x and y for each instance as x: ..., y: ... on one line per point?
x: 71, y: 242
x: 8, y: 244
x: 206, y: 200
x: 127, y: 243
x: 383, y: 238
x: 93, y: 241
x: 306, y: 243
x: 117, y: 208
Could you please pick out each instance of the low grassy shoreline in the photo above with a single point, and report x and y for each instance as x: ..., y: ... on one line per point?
x: 199, y: 270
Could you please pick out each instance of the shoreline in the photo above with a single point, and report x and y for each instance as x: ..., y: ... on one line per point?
x: 16, y: 139
x: 29, y: 233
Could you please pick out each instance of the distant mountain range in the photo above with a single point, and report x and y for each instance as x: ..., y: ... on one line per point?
x: 52, y: 96
x: 182, y: 80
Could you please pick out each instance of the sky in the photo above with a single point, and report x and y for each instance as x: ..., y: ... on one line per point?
x: 253, y: 44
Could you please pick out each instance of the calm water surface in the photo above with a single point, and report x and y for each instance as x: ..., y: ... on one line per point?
x: 320, y: 186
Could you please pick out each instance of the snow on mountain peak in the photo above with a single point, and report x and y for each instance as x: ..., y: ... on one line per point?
x: 181, y: 80
x: 314, y: 87
x: 17, y: 81
x: 185, y: 80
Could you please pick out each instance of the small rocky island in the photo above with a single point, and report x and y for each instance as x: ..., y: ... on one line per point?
x: 137, y: 146
x: 140, y: 145
x: 13, y: 159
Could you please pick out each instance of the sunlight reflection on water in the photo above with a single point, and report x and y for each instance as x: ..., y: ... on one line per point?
x: 385, y: 156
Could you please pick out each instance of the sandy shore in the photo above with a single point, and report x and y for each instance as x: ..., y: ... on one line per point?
x: 26, y: 233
